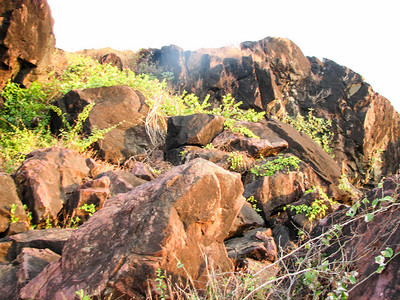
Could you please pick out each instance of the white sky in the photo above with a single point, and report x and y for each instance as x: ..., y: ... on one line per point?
x: 362, y: 35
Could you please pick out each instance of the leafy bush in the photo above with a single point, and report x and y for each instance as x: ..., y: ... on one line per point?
x: 319, y: 129
x: 318, y: 207
x: 278, y: 164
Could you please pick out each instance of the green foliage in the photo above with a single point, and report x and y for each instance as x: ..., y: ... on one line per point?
x: 236, y: 160
x: 22, y: 106
x: 82, y: 295
x: 278, y: 164
x: 161, y: 287
x: 13, y: 208
x: 72, y: 137
x: 253, y: 203
x: 318, y: 207
x: 189, y: 104
x: 90, y: 209
x: 319, y: 129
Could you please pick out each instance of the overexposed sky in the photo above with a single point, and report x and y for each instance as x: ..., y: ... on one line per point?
x: 362, y: 35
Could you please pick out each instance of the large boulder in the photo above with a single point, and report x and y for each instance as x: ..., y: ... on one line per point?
x: 181, y: 216
x: 11, y: 222
x: 26, y: 39
x: 46, y: 179
x: 114, y: 105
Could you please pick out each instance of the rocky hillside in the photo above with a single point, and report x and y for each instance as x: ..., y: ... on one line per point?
x: 273, y: 75
x: 185, y: 196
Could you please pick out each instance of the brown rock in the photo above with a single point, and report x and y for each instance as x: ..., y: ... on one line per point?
x: 31, y: 262
x: 8, y: 281
x: 143, y: 171
x: 45, y: 179
x: 112, y: 59
x: 182, y: 215
x: 94, y: 192
x: 255, y: 147
x: 8, y: 197
x: 185, y: 154
x: 196, y: 130
x: 53, y: 239
x: 257, y: 244
x: 26, y: 39
x: 114, y: 105
x: 247, y: 219
x: 121, y: 181
x: 274, y: 192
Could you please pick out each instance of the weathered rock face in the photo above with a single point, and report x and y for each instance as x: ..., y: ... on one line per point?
x: 113, y: 105
x: 47, y: 177
x: 8, y: 199
x: 186, y: 211
x: 26, y: 39
x: 273, y: 75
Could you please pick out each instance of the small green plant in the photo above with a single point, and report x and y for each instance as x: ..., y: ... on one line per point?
x: 13, y: 208
x: 161, y: 287
x: 29, y: 217
x: 253, y: 203
x: 48, y: 223
x: 319, y: 129
x: 90, y: 209
x: 381, y: 259
x: 280, y: 163
x: 209, y: 146
x: 318, y: 208
x: 72, y: 137
x: 82, y: 295
x: 236, y: 161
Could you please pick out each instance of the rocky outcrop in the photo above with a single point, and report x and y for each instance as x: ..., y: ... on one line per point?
x: 26, y: 39
x: 13, y: 218
x: 180, y: 216
x: 46, y: 179
x: 273, y: 75
x: 116, y: 105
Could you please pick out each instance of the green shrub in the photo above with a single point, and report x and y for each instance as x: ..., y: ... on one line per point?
x: 280, y: 163
x: 319, y: 129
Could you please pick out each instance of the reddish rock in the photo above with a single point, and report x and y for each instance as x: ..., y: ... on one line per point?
x: 53, y: 239
x: 257, y: 244
x: 26, y: 39
x: 8, y: 281
x: 247, y: 219
x: 184, y: 214
x: 121, y: 181
x: 9, y: 197
x: 282, y: 188
x: 196, y: 130
x: 113, y: 105
x: 94, y: 192
x: 31, y: 262
x: 47, y: 177
x: 185, y: 154
x: 143, y: 171
x: 255, y: 147
x: 112, y: 59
